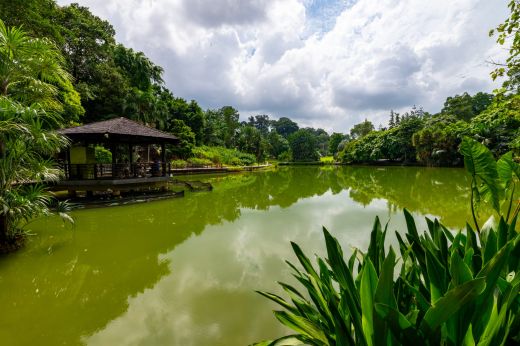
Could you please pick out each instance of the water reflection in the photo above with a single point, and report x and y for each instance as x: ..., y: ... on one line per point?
x: 183, y: 271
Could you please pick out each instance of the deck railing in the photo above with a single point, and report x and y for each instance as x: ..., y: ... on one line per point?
x: 93, y: 171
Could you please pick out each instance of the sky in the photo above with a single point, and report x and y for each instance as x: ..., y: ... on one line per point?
x: 322, y: 63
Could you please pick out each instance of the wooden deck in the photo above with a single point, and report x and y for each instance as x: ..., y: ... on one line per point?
x: 112, y: 184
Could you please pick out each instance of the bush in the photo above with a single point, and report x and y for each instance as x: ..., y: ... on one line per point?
x: 179, y: 164
x: 452, y: 289
x: 221, y: 155
x: 196, y: 162
x: 103, y: 155
x: 286, y: 156
x: 246, y: 159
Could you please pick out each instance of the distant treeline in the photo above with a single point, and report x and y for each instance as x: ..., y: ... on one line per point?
x: 110, y: 80
x: 433, y: 140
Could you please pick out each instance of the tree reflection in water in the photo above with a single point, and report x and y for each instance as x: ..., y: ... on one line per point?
x: 183, y: 271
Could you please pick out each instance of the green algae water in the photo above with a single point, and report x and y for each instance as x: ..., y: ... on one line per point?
x: 183, y: 271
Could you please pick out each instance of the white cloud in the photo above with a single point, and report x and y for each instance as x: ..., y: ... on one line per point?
x: 273, y: 56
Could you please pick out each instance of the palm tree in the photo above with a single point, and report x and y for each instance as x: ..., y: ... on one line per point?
x: 29, y: 70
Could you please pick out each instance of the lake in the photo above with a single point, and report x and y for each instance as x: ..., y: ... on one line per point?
x: 183, y: 271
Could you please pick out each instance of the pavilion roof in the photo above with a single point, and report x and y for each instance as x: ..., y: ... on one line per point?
x: 120, y: 130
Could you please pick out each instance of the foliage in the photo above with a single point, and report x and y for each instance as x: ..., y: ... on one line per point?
x: 303, y: 146
x: 334, y: 141
x: 102, y: 154
x: 437, y: 143
x: 452, y: 289
x: 493, y: 182
x: 179, y: 164
x: 186, y: 139
x: 499, y: 124
x: 285, y: 126
x: 250, y: 140
x: 286, y: 156
x: 261, y: 123
x: 362, y: 129
x: 221, y: 155
x: 277, y: 144
x: 32, y: 71
x: 327, y: 159
x: 509, y: 33
x: 25, y: 148
x: 465, y: 107
x: 197, y: 162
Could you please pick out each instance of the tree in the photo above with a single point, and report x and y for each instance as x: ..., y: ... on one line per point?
x: 229, y: 116
x: 334, y: 141
x: 186, y: 138
x: 391, y: 122
x: 509, y: 32
x: 480, y: 102
x: 25, y: 142
x: 303, y: 146
x: 277, y: 144
x: 141, y: 72
x: 30, y: 69
x: 361, y: 129
x: 261, y: 122
x: 466, y: 107
x: 214, y: 128
x: 250, y: 140
x: 285, y: 126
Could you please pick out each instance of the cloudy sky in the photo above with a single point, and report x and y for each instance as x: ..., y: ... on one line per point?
x: 323, y: 63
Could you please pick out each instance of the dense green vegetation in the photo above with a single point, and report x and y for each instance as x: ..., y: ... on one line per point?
x: 451, y: 289
x: 31, y: 79
x: 110, y: 80
x: 433, y: 140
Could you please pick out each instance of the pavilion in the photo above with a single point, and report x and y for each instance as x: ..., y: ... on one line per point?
x: 128, y: 170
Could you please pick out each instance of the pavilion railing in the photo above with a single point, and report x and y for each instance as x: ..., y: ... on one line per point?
x: 94, y: 171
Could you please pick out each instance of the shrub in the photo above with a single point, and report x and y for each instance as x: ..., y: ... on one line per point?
x: 452, y: 289
x: 286, y: 156
x: 221, y: 155
x: 196, y: 162
x: 246, y: 159
x: 179, y: 164
x: 103, y: 155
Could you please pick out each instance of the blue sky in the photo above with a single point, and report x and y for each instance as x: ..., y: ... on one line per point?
x: 328, y: 64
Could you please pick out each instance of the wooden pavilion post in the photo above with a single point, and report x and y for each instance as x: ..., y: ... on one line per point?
x: 113, y: 149
x: 130, y: 159
x: 163, y: 158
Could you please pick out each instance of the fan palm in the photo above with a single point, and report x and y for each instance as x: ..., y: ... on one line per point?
x: 30, y: 68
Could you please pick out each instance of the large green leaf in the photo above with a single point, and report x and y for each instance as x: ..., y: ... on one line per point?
x: 507, y: 168
x: 437, y: 276
x: 480, y: 163
x: 449, y: 304
x: 367, y: 292
x: 384, y: 292
x: 402, y: 328
x: 302, y: 326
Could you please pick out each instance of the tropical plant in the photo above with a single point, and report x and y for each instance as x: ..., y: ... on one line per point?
x: 25, y: 152
x: 303, y: 146
x: 492, y: 181
x: 31, y: 70
x: 452, y: 288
